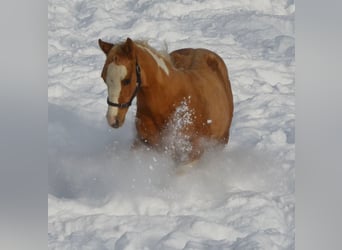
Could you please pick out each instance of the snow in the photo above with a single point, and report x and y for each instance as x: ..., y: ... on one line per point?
x: 103, y: 196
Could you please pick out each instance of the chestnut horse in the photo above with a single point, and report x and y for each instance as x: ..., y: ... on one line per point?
x: 184, y: 99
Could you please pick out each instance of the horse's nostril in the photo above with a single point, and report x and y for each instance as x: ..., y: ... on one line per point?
x: 116, y: 124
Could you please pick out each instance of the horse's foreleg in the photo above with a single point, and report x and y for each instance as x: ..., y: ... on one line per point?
x: 192, y: 159
x: 197, y: 150
x: 186, y: 167
x: 190, y: 155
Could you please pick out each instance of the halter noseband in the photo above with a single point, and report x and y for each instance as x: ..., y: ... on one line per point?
x: 137, y: 87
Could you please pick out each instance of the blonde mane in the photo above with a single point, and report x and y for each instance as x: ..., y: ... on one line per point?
x: 164, y: 54
x: 161, y: 58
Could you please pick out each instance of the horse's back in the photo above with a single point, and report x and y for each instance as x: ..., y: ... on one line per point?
x: 192, y: 59
x: 182, y: 58
x: 198, y: 59
x: 210, y: 69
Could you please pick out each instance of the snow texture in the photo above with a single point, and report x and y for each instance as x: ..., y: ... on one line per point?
x: 103, y: 196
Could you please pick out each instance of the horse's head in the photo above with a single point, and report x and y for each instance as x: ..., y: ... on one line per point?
x: 120, y: 73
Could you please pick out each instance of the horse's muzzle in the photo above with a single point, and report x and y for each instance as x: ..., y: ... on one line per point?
x: 116, y: 123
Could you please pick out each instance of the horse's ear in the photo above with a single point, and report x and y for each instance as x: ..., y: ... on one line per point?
x: 106, y: 47
x: 129, y: 47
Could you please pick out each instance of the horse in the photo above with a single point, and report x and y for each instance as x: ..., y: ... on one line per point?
x: 184, y: 99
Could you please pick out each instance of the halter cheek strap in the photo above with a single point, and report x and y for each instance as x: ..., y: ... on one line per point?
x: 137, y: 87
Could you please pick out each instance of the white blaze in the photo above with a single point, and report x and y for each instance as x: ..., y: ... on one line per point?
x: 115, y: 74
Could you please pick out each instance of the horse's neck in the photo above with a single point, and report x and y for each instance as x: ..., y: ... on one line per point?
x: 156, y: 70
x: 150, y: 61
x: 156, y: 93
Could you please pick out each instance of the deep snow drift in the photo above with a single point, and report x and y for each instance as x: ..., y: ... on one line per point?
x: 102, y: 196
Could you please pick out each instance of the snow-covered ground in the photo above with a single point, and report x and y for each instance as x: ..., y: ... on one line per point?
x: 102, y: 196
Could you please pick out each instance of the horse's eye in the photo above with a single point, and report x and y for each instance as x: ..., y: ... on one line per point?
x: 126, y: 81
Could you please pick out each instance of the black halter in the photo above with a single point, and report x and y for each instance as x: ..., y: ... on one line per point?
x: 137, y: 87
